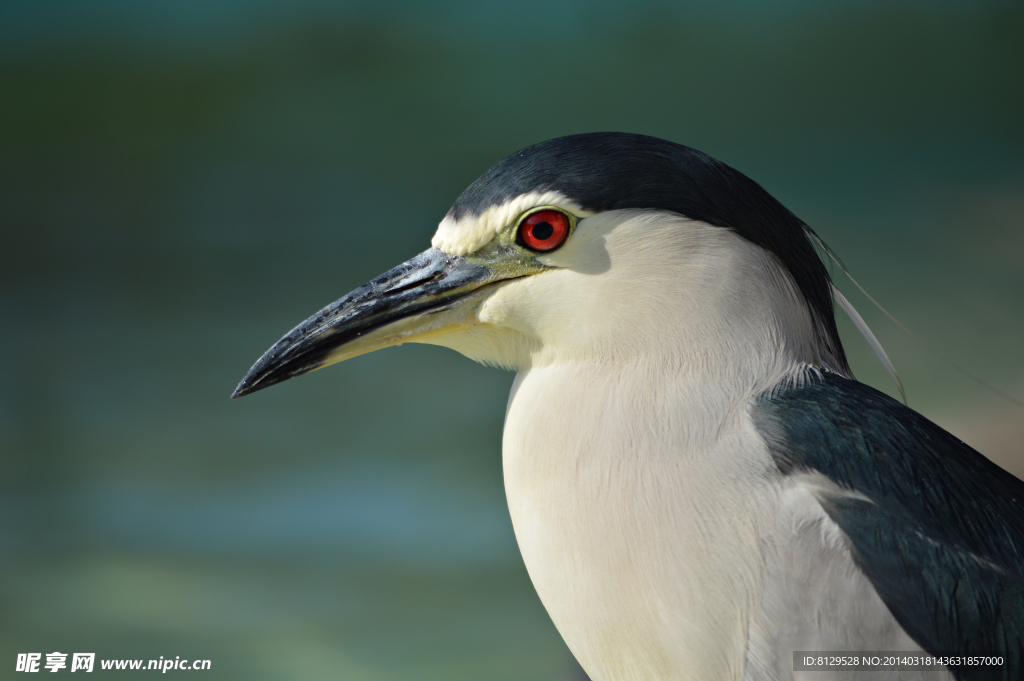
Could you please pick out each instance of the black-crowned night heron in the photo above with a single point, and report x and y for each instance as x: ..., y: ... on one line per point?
x: 697, y: 484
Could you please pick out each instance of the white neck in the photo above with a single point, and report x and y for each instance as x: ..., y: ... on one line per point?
x: 629, y: 456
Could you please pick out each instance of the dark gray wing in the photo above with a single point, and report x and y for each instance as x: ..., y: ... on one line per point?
x: 939, y: 531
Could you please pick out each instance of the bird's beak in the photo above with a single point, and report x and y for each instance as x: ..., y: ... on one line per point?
x: 430, y: 294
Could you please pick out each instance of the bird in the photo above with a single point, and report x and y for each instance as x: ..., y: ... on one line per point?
x: 699, y: 487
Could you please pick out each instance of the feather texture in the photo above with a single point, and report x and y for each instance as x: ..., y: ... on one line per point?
x: 935, y: 526
x: 865, y: 331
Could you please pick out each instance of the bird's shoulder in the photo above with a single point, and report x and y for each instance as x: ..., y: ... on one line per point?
x: 936, y: 527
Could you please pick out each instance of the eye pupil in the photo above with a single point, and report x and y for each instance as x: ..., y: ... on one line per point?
x: 542, y: 231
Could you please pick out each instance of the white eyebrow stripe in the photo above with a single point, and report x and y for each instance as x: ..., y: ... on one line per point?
x: 472, y: 232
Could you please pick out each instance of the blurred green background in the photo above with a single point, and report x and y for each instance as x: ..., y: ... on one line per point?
x: 181, y: 183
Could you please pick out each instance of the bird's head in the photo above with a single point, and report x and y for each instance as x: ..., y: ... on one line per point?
x: 592, y: 246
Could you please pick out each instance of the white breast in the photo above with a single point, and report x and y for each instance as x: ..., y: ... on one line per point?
x: 663, y: 551
x: 643, y: 548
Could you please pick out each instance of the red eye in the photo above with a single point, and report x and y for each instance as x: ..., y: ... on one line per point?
x: 544, y: 230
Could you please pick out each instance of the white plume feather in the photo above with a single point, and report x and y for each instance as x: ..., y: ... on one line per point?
x: 865, y: 331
